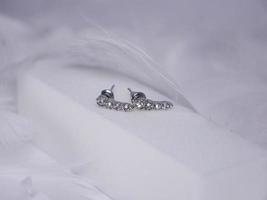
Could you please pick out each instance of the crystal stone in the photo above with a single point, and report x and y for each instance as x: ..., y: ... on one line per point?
x: 157, y: 106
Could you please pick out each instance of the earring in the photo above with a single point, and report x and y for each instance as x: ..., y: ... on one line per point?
x: 140, y: 102
x: 106, y: 100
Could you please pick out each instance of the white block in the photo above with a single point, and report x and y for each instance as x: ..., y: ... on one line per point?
x: 157, y: 155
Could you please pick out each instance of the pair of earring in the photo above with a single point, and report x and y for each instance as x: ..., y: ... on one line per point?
x: 138, y: 102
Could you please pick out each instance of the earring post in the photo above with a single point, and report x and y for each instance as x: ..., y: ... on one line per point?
x: 130, y: 90
x: 112, y: 87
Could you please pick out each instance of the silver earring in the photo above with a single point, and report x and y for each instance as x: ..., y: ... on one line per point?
x: 106, y: 100
x: 140, y: 102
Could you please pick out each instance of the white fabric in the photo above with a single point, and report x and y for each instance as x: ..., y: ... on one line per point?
x: 26, y: 172
x: 175, y: 154
x: 214, y: 51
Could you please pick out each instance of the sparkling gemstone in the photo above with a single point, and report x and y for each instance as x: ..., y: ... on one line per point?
x: 149, y: 105
x: 117, y: 106
x: 126, y: 107
x: 139, y: 105
x: 157, y: 106
x: 101, y: 100
x: 109, y: 105
x: 165, y: 105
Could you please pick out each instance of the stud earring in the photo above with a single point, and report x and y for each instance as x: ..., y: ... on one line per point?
x: 106, y: 100
x: 140, y: 102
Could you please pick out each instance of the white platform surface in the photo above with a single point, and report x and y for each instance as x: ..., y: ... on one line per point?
x: 159, y: 155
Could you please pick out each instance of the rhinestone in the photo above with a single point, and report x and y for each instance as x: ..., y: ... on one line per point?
x: 116, y: 106
x: 149, y: 105
x: 109, y: 105
x: 126, y: 107
x: 139, y: 105
x: 101, y: 100
x: 169, y: 105
x: 165, y: 105
x: 157, y: 106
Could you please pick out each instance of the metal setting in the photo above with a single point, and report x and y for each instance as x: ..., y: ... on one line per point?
x: 140, y: 102
x: 106, y: 100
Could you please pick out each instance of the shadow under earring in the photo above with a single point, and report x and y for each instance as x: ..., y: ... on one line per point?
x: 106, y: 100
x: 140, y: 102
